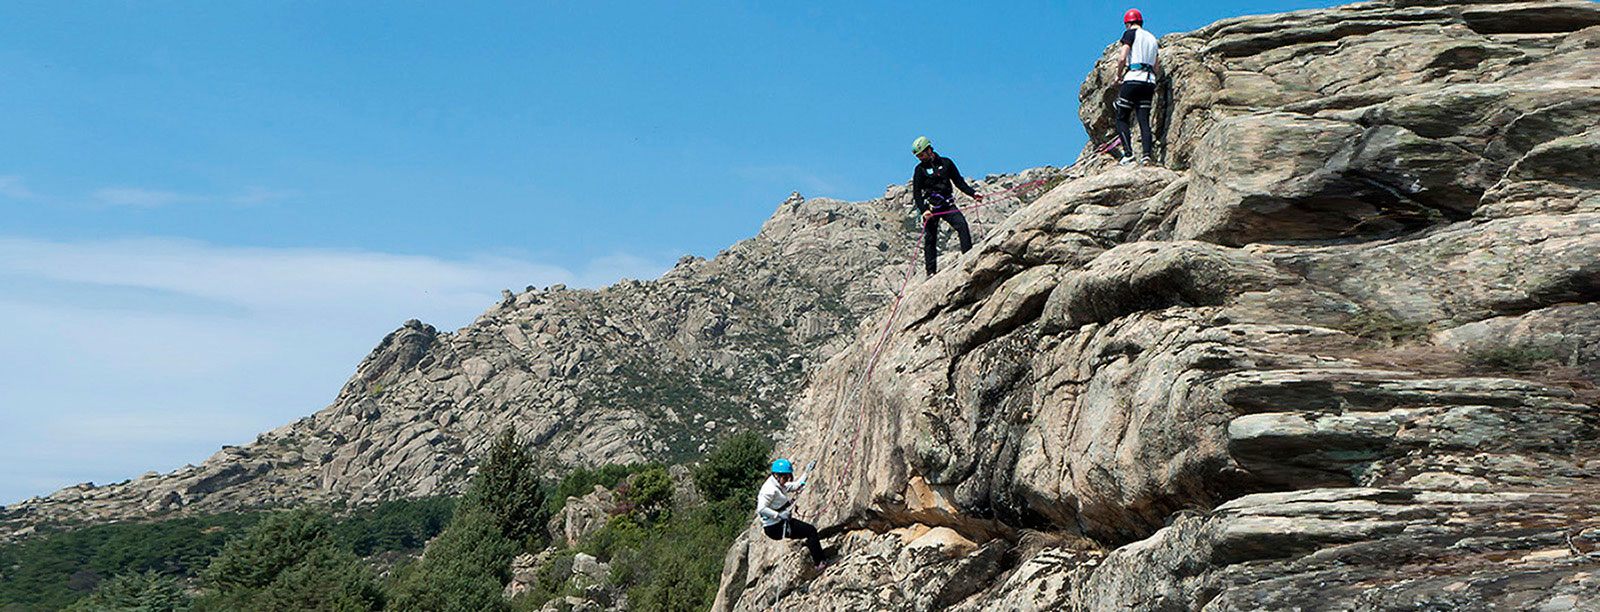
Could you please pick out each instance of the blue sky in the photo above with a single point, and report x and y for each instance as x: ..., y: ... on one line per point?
x: 210, y: 211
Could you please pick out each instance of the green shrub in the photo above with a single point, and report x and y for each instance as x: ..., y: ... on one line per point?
x: 671, y: 561
x: 1384, y: 328
x: 581, y: 481
x: 650, y: 493
x: 550, y: 582
x: 290, y: 561
x: 327, y: 579
x: 675, y: 566
x: 138, y: 592
x: 463, y: 570
x: 1516, y: 358
x: 405, y: 524
x: 734, y: 469
x: 253, y: 560
x: 50, y: 571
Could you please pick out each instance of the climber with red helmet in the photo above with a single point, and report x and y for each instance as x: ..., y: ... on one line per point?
x: 774, y: 505
x: 1137, y: 73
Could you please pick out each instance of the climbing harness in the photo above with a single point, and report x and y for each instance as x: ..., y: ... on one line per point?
x: 883, y: 339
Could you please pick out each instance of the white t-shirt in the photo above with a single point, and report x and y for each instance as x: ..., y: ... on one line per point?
x: 1141, y: 50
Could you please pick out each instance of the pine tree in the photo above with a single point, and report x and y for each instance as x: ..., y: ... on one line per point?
x: 507, y: 488
x: 290, y: 562
x: 467, y: 566
x: 138, y: 592
x: 253, y: 560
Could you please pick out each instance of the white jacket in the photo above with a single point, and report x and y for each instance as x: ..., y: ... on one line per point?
x: 772, y: 504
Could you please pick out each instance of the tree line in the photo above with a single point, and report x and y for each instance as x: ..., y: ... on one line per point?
x: 663, y: 556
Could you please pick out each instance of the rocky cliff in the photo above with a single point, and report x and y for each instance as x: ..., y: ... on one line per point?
x: 1340, y: 354
x: 642, y: 370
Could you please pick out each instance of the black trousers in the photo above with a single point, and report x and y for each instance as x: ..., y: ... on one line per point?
x: 1135, y: 98
x: 930, y: 236
x: 797, y: 529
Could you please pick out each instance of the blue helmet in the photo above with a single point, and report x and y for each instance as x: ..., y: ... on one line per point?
x: 782, y: 466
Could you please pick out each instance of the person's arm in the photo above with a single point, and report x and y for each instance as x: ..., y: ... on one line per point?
x: 764, y: 504
x: 916, y: 191
x: 961, y: 183
x: 1128, y: 36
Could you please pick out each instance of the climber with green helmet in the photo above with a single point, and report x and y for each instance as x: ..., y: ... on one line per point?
x: 931, y: 194
x: 775, y: 504
x: 1137, y: 72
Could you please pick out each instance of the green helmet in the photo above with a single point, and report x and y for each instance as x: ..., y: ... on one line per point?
x: 921, y: 144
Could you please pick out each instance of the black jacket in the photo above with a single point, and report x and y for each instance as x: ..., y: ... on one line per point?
x: 933, y: 178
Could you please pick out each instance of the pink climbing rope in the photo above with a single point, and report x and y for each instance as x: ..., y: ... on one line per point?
x: 1107, y: 147
x: 883, y: 337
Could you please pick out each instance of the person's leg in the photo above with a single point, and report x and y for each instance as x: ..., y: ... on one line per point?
x: 1146, y: 138
x: 959, y: 222
x: 801, y: 530
x: 930, y: 245
x: 1123, y: 108
x: 773, y: 531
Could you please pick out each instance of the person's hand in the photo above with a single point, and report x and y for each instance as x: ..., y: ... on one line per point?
x: 926, y: 216
x: 978, y: 197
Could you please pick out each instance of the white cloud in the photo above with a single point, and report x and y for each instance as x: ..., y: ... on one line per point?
x: 11, y: 186
x: 123, y: 356
x: 135, y: 197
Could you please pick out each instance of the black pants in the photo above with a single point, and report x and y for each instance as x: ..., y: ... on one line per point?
x: 1135, y: 98
x: 797, y: 529
x: 930, y: 236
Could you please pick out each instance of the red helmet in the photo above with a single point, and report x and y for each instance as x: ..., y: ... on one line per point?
x: 1132, y: 16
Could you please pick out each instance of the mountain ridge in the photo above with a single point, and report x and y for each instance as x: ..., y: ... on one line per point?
x: 639, y: 370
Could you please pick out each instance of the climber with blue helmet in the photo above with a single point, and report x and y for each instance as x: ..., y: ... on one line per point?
x: 775, y: 504
x: 1138, y: 72
x: 931, y: 194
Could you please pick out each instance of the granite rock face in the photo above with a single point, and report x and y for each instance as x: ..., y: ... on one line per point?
x: 1337, y: 355
x: 640, y: 370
